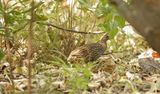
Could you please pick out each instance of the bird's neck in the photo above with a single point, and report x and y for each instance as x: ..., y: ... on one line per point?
x: 103, y: 41
x: 104, y: 44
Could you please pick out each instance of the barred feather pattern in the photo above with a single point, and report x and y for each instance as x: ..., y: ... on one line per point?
x: 89, y: 52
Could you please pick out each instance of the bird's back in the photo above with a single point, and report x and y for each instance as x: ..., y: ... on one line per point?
x: 89, y: 52
x: 95, y: 51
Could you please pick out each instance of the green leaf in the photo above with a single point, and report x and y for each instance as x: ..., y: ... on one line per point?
x: 81, y: 83
x: 103, y: 10
x: 23, y: 0
x: 59, y: 0
x: 1, y: 6
x: 1, y: 55
x: 84, y: 5
x: 113, y: 32
x: 87, y: 73
x: 82, y: 2
x: 111, y: 28
x: 41, y: 17
x: 120, y: 20
x: 104, y: 2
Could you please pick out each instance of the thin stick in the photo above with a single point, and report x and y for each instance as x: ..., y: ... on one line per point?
x: 30, y: 49
x: 70, y: 30
x: 8, y: 46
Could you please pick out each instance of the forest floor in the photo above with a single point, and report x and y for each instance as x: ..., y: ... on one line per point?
x: 111, y: 74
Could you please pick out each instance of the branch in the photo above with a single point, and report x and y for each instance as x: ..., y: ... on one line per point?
x: 69, y: 30
x: 7, y: 41
x: 30, y: 47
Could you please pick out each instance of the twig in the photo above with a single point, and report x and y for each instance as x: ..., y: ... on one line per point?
x: 30, y: 49
x: 69, y: 30
x: 115, y: 52
x: 34, y: 7
x: 8, y: 47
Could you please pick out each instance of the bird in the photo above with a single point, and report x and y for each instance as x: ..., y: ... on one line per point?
x: 89, y: 52
x: 149, y: 65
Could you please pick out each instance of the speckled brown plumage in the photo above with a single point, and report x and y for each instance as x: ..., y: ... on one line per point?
x: 149, y: 65
x: 89, y: 52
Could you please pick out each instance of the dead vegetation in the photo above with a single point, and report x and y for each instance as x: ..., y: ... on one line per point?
x: 26, y: 41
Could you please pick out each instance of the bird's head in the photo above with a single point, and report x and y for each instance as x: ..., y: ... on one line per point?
x: 104, y: 38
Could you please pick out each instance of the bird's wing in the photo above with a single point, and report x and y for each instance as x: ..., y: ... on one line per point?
x: 80, y: 51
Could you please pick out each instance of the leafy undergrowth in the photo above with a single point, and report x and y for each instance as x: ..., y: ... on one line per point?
x: 112, y: 76
x: 123, y: 76
x: 114, y: 73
